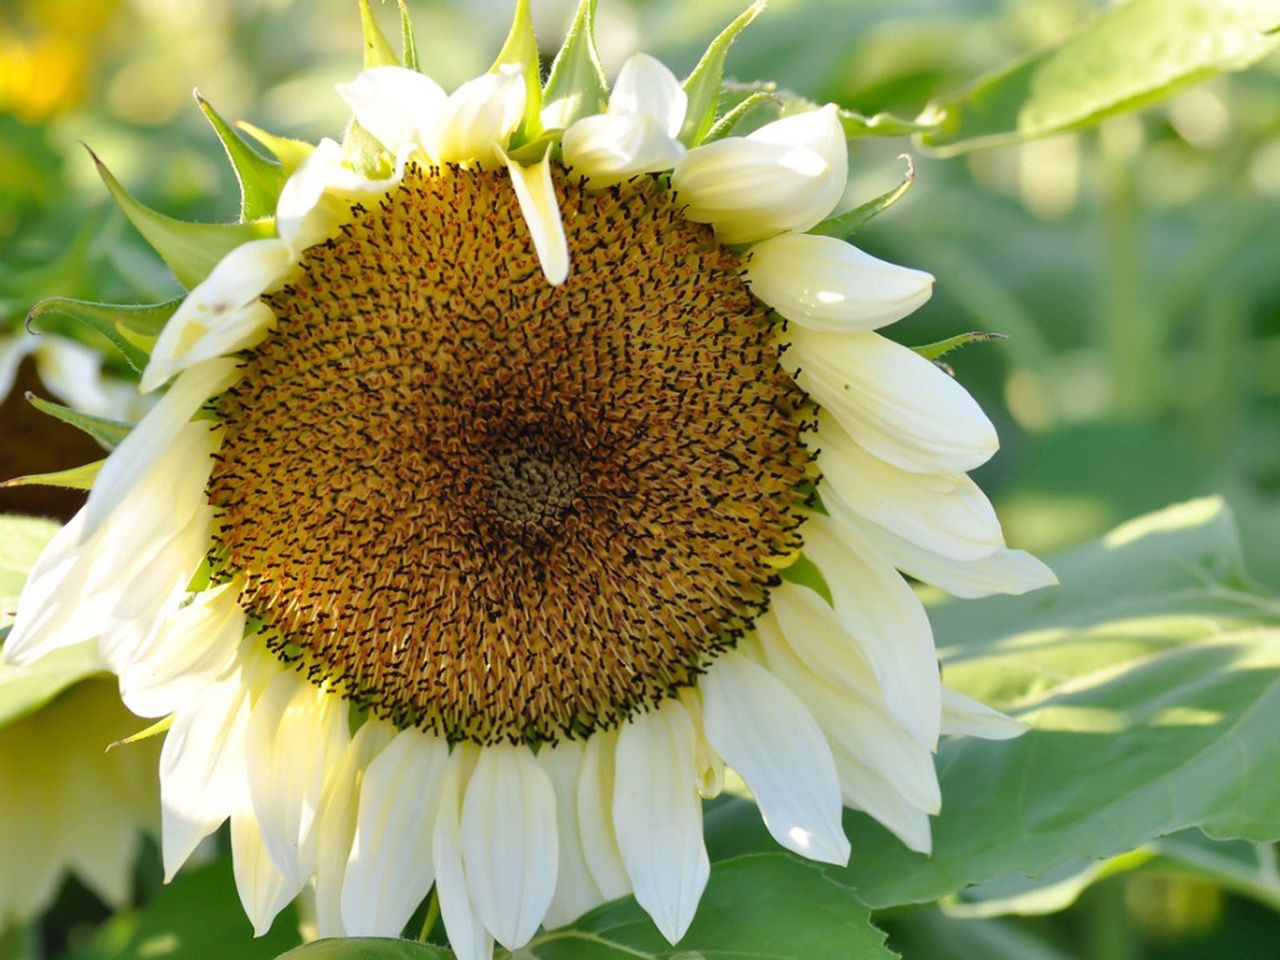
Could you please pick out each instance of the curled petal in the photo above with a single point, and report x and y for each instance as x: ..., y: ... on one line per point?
x: 609, y: 148
x: 396, y: 105
x: 826, y: 284
x: 787, y: 175
x: 477, y: 121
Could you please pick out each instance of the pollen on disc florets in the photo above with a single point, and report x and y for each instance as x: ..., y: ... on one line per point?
x: 497, y: 509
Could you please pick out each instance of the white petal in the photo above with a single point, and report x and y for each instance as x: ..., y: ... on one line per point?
x: 865, y: 789
x: 467, y: 935
x: 1002, y: 571
x: 396, y: 105
x: 479, y: 118
x: 646, y: 88
x: 264, y: 890
x: 765, y: 733
x: 788, y: 175
x: 202, y: 769
x: 390, y: 869
x: 893, y: 402
x: 610, y: 148
x: 191, y: 646
x: 965, y: 717
x: 885, y: 618
x: 336, y: 823
x: 297, y: 734
x: 576, y: 890
x: 658, y: 816
x: 595, y: 816
x: 947, y: 515
x: 73, y: 373
x: 827, y: 284
x: 317, y: 198
x: 541, y: 210
x: 509, y: 842
x: 150, y: 439
x: 222, y: 314
x: 860, y: 727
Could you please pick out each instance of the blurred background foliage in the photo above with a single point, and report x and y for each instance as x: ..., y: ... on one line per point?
x: 1135, y: 268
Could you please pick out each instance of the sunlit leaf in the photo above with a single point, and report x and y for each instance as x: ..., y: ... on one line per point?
x: 260, y: 179
x: 521, y: 47
x: 939, y: 349
x: 109, y: 433
x: 75, y: 478
x: 576, y: 86
x: 291, y: 153
x: 1131, y: 55
x: 703, y: 84
x: 1151, y: 683
x: 846, y: 224
x: 377, y: 49
x: 408, y: 43
x: 190, y: 250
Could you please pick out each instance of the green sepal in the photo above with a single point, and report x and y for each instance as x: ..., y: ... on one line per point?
x: 290, y: 152
x: 703, y: 85
x: 367, y: 156
x: 806, y: 573
x: 939, y: 349
x: 104, y: 318
x: 76, y: 478
x: 724, y: 126
x: 521, y: 47
x: 408, y: 42
x: 109, y: 433
x: 880, y: 125
x: 142, y: 322
x: 576, y: 73
x: 377, y: 49
x: 535, y: 151
x: 146, y: 733
x: 260, y: 179
x: 190, y: 250
x: 846, y: 224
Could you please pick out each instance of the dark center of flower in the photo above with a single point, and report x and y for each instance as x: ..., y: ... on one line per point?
x: 502, y: 510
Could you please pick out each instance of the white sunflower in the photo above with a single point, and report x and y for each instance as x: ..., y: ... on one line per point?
x: 461, y: 546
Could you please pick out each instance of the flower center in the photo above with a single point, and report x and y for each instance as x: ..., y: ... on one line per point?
x: 496, y: 509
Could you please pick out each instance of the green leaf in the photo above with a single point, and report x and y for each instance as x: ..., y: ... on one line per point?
x: 1151, y: 683
x: 291, y: 153
x: 724, y: 126
x: 190, y: 250
x: 846, y: 224
x: 576, y: 86
x: 940, y: 348
x: 260, y: 179
x: 408, y: 43
x: 76, y: 478
x: 196, y: 917
x: 368, y: 948
x: 880, y: 125
x: 106, y: 318
x: 109, y: 433
x: 703, y: 84
x: 521, y: 47
x: 1132, y: 55
x: 377, y: 49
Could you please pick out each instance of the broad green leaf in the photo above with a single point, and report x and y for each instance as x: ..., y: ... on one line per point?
x: 1151, y: 683
x: 76, y: 478
x: 190, y: 250
x: 106, y: 318
x: 703, y: 84
x: 521, y: 47
x: 408, y: 43
x: 368, y: 948
x: 377, y: 49
x: 846, y: 224
x: 291, y: 153
x: 109, y: 433
x: 196, y: 917
x: 938, y: 349
x: 260, y: 179
x: 1130, y: 56
x: 762, y: 907
x: 576, y: 86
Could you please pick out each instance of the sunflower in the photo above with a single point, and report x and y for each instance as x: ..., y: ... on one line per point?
x: 536, y: 468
